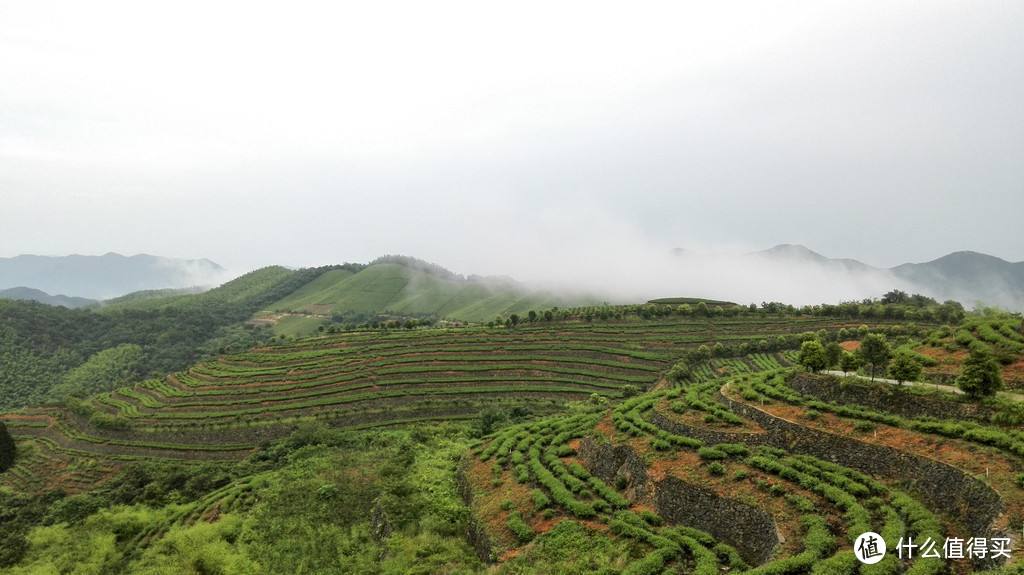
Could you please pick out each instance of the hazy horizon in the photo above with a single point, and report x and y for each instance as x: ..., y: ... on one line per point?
x: 570, y: 143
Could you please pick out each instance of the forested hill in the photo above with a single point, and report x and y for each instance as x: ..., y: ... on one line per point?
x: 47, y: 352
x: 42, y: 346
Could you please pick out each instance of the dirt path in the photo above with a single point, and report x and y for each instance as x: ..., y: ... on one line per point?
x: 947, y: 388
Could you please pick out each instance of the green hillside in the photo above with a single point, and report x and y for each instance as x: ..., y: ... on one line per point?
x: 41, y: 345
x: 252, y: 285
x: 410, y: 289
x: 627, y: 440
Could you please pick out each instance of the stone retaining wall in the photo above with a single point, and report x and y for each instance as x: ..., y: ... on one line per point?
x: 475, y: 533
x: 886, y: 397
x: 750, y: 530
x: 941, y: 487
x: 706, y: 435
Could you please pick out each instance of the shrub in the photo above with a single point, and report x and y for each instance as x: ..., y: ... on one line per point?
x: 107, y: 421
x: 741, y: 474
x: 522, y: 473
x: 716, y: 468
x: 864, y: 426
x: 506, y: 505
x: 651, y: 518
x: 610, y: 495
x: 660, y: 444
x: 712, y: 453
x: 519, y: 528
x: 734, y: 449
x: 540, y: 499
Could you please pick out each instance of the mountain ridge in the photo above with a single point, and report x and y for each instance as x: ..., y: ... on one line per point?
x: 106, y: 276
x: 32, y: 294
x: 967, y: 276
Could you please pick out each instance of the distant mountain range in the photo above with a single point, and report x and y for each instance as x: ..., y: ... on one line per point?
x: 407, y: 286
x: 965, y: 276
x: 27, y: 293
x: 106, y: 276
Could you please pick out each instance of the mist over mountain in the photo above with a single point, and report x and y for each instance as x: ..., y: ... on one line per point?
x: 106, y: 276
x: 969, y: 277
x: 790, y: 273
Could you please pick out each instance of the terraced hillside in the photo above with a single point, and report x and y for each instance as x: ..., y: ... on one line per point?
x: 1001, y: 334
x: 745, y: 473
x: 221, y: 409
x: 610, y: 459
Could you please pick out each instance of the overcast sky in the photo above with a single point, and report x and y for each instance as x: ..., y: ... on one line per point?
x: 507, y: 138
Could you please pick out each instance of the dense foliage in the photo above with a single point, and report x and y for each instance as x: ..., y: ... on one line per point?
x: 318, y: 501
x: 6, y: 448
x: 980, y: 376
x: 170, y: 475
x: 41, y: 344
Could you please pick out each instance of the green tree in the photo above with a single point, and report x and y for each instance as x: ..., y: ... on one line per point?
x: 679, y: 371
x: 849, y: 362
x: 833, y: 353
x: 812, y: 356
x: 904, y: 367
x: 489, y: 419
x: 875, y: 352
x: 980, y: 375
x: 703, y: 353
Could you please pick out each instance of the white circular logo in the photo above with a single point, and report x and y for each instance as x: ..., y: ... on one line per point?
x: 869, y: 548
